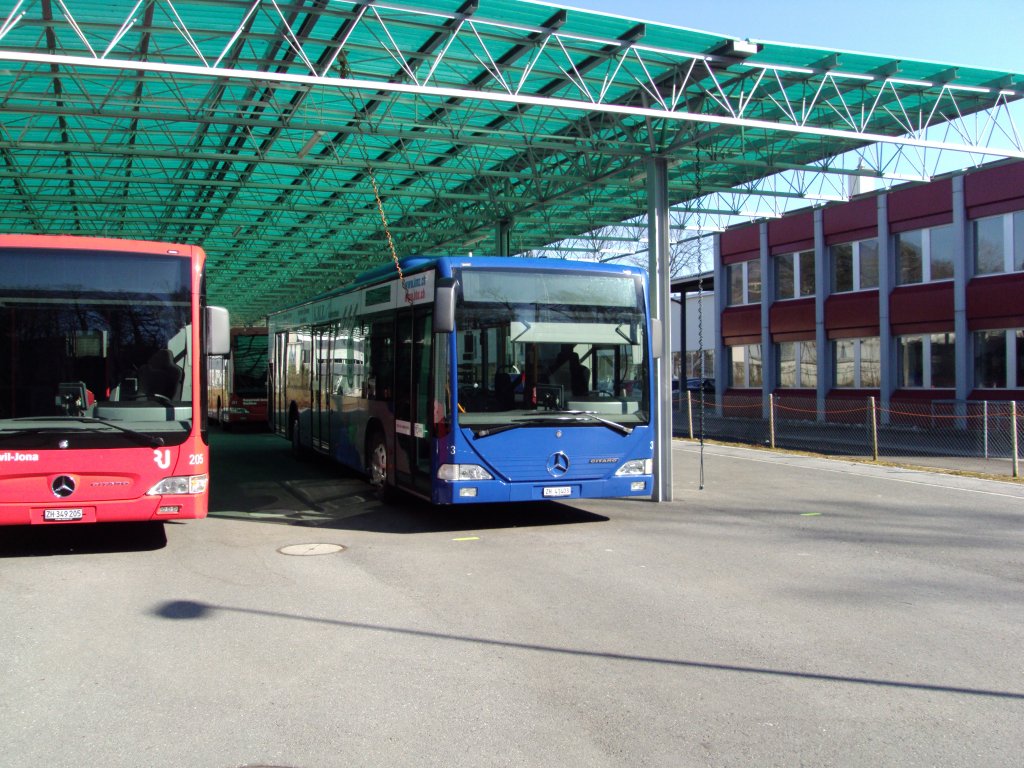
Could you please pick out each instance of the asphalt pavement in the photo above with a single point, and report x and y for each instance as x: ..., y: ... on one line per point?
x: 794, y: 611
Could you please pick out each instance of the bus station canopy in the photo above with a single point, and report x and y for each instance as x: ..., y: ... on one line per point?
x: 280, y: 135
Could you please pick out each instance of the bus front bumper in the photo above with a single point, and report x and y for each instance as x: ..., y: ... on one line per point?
x: 58, y: 512
x: 490, y: 491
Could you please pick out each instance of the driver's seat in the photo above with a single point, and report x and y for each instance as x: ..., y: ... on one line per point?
x: 160, y: 376
x: 505, y: 389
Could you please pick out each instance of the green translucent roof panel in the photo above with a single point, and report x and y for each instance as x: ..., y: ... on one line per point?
x: 258, y: 129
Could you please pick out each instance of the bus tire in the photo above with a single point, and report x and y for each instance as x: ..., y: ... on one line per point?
x: 377, y: 460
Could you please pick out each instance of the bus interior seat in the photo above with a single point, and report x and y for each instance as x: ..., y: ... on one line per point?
x: 581, y: 380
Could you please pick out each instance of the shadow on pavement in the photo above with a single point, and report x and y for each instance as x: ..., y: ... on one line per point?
x: 414, y: 516
x: 88, y: 539
x: 357, y: 512
x: 255, y: 478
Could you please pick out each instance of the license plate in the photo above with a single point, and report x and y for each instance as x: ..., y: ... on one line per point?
x: 557, y: 490
x: 63, y: 514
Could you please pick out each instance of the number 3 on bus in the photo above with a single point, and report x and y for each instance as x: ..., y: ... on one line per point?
x: 474, y: 379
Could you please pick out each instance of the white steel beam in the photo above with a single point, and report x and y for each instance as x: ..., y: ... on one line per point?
x: 517, y: 99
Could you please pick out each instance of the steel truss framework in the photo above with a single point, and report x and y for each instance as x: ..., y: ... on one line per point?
x: 253, y: 127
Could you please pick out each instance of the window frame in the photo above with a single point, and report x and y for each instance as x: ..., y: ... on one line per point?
x: 800, y: 368
x: 797, y: 260
x: 1012, y: 243
x: 858, y: 363
x: 749, y: 382
x: 927, y: 254
x: 1013, y: 358
x: 856, y: 265
x: 746, y: 280
x: 927, y: 361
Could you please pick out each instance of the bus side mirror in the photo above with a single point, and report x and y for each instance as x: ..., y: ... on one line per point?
x: 444, y: 305
x: 656, y: 337
x: 218, y: 331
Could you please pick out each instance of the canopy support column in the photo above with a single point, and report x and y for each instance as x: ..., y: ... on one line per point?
x: 503, y: 237
x: 659, y: 296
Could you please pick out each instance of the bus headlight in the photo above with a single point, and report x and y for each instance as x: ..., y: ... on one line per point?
x: 636, y: 467
x: 452, y: 472
x: 183, y: 485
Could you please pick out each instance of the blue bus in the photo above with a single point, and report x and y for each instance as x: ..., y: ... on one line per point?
x: 474, y: 379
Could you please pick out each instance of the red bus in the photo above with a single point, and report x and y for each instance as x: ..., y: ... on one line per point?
x: 238, y: 381
x: 101, y: 418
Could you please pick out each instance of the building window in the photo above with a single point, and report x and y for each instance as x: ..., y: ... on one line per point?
x: 988, y: 246
x: 794, y: 275
x: 734, y: 276
x: 744, y: 281
x: 999, y: 244
x: 798, y: 364
x: 999, y: 359
x: 854, y: 265
x: 856, y: 363
x: 753, y: 282
x: 926, y: 361
x: 924, y: 255
x: 1018, y: 241
x: 745, y: 369
x: 1018, y: 350
x: 694, y: 359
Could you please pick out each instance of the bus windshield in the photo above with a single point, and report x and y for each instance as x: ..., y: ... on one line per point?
x: 249, y: 353
x: 536, y: 349
x: 95, y: 344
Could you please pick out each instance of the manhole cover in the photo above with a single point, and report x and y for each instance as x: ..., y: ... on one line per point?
x: 305, y: 550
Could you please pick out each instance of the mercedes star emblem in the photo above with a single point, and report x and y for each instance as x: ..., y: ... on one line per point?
x: 63, y: 486
x: 558, y: 464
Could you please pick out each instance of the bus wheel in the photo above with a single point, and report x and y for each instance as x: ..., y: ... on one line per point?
x: 377, y: 464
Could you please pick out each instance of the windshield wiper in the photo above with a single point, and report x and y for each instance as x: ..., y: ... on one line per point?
x: 139, y: 437
x: 495, y: 430
x: 622, y: 429
x: 555, y: 418
x: 6, y: 433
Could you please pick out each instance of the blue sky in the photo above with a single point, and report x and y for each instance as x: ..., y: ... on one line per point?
x: 982, y: 33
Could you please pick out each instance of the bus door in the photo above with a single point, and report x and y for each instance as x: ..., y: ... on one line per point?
x: 320, y: 418
x: 280, y: 378
x: 413, y: 411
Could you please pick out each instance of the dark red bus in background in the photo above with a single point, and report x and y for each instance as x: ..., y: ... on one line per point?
x: 238, y: 381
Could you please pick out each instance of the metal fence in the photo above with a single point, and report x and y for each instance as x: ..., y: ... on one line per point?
x: 967, y: 435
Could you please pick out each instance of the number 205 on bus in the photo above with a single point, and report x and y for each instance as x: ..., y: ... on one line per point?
x: 101, y: 412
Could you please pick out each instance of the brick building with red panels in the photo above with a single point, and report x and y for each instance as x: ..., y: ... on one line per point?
x: 915, y: 294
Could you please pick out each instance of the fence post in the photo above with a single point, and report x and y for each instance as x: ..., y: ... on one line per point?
x: 689, y: 411
x: 874, y: 430
x: 1013, y: 439
x: 771, y: 420
x: 984, y: 412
